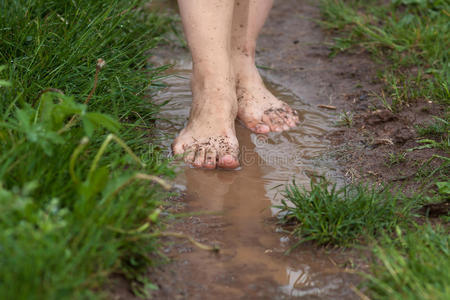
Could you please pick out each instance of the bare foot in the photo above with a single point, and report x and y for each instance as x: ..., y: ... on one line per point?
x: 258, y: 108
x: 209, y: 139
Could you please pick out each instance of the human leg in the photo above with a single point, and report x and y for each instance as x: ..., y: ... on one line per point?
x: 209, y: 138
x: 258, y: 108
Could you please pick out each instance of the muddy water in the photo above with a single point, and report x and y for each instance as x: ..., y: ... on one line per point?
x: 251, y: 259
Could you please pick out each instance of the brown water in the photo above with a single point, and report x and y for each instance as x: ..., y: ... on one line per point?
x: 252, y: 256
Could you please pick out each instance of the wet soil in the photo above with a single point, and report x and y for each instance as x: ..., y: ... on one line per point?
x: 237, y: 214
x: 301, y: 62
x: 237, y: 206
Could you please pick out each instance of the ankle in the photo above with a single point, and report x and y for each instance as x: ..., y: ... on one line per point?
x: 213, y: 80
x: 214, y: 95
x: 247, y: 75
x: 245, y: 69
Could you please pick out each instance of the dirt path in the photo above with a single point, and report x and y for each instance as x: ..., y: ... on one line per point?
x: 251, y: 263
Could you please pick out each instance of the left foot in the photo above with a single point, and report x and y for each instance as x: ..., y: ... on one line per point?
x: 258, y: 108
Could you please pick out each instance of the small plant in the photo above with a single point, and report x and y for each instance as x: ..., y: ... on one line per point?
x: 426, y: 170
x: 443, y: 144
x: 414, y: 265
x: 345, y: 119
x: 443, y: 188
x: 328, y: 215
x: 384, y: 101
x: 395, y: 159
x: 439, y: 127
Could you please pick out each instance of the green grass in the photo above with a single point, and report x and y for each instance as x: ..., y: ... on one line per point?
x: 329, y: 215
x: 395, y: 158
x: 410, y: 38
x: 436, y: 133
x: 409, y: 261
x: 79, y: 178
x: 440, y: 127
x: 415, y: 265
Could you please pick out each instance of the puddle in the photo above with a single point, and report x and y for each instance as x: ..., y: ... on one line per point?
x: 251, y: 251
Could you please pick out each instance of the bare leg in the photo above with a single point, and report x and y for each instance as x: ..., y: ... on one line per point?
x: 209, y: 139
x: 258, y: 109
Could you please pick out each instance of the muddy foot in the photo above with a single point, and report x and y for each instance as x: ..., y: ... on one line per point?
x: 209, y: 139
x: 258, y: 108
x: 262, y: 112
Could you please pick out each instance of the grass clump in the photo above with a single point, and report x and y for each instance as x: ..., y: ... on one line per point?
x: 438, y: 133
x: 438, y: 128
x: 80, y: 185
x: 412, y: 36
x: 329, y: 215
x: 415, y: 265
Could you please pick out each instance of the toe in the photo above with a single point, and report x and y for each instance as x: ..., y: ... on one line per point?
x: 210, y: 159
x: 277, y: 122
x: 291, y: 121
x: 268, y: 120
x: 199, y: 159
x: 177, y: 148
x: 189, y: 156
x: 289, y: 116
x: 261, y: 128
x: 295, y: 117
x: 228, y: 161
x: 284, y: 119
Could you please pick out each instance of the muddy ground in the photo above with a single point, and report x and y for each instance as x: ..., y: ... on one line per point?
x: 294, y: 51
x: 301, y: 61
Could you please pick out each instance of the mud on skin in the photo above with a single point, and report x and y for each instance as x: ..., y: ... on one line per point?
x: 222, y: 37
x: 210, y: 154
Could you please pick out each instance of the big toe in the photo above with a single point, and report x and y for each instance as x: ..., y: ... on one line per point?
x: 228, y: 161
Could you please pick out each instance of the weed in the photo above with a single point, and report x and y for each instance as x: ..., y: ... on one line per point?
x: 328, y: 215
x: 439, y: 127
x: 443, y: 188
x: 443, y: 144
x: 345, y: 119
x: 395, y: 159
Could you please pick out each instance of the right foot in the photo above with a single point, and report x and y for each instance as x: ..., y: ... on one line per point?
x: 209, y: 139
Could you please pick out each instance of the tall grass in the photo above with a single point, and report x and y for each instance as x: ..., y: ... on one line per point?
x: 413, y: 37
x: 80, y: 180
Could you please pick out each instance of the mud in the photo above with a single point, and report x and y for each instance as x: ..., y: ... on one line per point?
x: 251, y: 262
x: 301, y: 62
x: 237, y: 206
